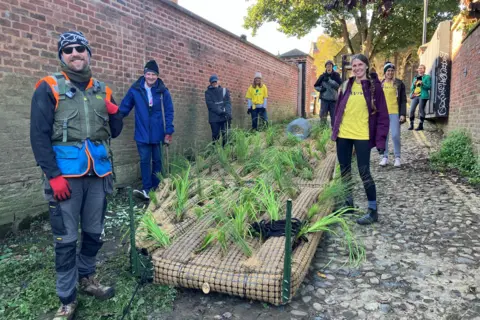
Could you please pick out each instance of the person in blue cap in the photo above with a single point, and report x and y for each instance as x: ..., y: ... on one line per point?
x: 219, y: 107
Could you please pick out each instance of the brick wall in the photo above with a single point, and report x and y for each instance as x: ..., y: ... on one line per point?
x: 465, y: 88
x: 310, y: 77
x: 124, y: 34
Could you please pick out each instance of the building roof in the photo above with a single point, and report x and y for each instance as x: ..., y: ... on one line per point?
x: 293, y: 53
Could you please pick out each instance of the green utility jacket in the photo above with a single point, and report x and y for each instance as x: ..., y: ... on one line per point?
x: 426, y: 86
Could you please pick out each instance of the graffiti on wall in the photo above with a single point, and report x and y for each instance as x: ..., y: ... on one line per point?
x: 442, y: 98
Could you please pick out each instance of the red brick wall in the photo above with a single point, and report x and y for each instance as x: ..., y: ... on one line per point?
x: 310, y: 77
x: 124, y: 34
x: 465, y: 88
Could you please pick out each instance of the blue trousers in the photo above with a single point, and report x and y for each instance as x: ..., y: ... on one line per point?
x: 259, y: 112
x: 150, y: 164
x: 395, y: 133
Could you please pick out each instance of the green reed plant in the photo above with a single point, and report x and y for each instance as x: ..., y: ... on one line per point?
x: 154, y: 232
x: 326, y: 223
x: 269, y: 199
x: 322, y: 141
x: 291, y: 140
x: 153, y: 197
x: 240, y: 142
x: 181, y: 183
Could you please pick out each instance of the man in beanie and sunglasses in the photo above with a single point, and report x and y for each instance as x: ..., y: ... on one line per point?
x: 219, y: 109
x: 73, y: 118
x: 327, y: 84
x: 153, y: 123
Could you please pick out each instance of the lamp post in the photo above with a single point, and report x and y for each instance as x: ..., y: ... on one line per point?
x: 425, y: 13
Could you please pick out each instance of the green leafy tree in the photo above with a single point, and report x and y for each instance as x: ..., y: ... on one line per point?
x: 384, y: 26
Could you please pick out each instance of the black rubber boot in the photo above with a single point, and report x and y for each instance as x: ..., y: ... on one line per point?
x: 369, y: 218
x: 420, y: 127
x: 411, y: 125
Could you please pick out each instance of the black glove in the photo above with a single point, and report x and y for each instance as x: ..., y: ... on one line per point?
x: 228, y: 116
x: 381, y: 151
x: 249, y: 110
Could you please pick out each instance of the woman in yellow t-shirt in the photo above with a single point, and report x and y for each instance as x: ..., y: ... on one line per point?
x: 361, y: 121
x: 257, y: 97
x: 394, y: 91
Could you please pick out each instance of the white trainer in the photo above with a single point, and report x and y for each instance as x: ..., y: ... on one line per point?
x: 142, y: 194
x: 398, y: 163
x: 384, y: 162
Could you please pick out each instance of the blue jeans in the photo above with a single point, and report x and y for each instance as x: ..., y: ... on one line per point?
x: 395, y: 132
x: 258, y: 112
x: 150, y: 164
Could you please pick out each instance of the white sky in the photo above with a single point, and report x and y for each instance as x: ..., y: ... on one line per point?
x: 229, y: 14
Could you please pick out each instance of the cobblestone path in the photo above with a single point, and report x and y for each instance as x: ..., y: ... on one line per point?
x: 423, y: 257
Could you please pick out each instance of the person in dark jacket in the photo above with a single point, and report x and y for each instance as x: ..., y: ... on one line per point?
x: 219, y: 109
x: 73, y: 117
x: 153, y: 123
x: 327, y: 84
x: 396, y: 98
x: 361, y: 121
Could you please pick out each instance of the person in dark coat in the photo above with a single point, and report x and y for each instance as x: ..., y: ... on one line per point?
x: 327, y: 84
x: 219, y: 109
x: 153, y: 123
x: 361, y: 121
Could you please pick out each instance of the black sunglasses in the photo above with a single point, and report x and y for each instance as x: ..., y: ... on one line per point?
x: 69, y: 50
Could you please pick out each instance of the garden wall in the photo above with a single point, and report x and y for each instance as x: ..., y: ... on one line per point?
x: 124, y: 34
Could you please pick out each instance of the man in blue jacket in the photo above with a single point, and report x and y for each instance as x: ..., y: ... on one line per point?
x: 153, y: 123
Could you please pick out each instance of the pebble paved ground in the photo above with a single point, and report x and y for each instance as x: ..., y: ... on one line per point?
x: 423, y: 257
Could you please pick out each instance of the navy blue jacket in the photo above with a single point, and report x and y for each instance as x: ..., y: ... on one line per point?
x: 149, y: 126
x: 219, y: 105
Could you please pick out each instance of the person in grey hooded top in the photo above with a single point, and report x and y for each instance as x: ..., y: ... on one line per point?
x: 219, y: 109
x: 328, y: 84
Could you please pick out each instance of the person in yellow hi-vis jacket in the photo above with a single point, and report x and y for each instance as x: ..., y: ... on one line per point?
x: 257, y: 96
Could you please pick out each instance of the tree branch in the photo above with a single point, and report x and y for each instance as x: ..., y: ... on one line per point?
x: 346, y: 36
x: 369, y: 48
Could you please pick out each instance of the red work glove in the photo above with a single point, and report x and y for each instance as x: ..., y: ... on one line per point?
x: 168, y: 139
x: 61, y: 188
x: 111, y: 108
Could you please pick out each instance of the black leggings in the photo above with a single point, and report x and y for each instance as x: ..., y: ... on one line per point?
x: 344, y: 154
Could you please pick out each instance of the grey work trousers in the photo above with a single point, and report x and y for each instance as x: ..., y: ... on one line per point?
x: 86, y: 206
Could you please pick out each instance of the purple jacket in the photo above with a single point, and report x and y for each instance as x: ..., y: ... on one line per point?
x: 378, y: 123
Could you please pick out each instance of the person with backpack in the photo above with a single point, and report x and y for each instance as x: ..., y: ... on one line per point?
x: 361, y: 122
x: 153, y: 123
x: 73, y: 117
x: 396, y: 98
x: 219, y: 107
x: 327, y: 84
x: 257, y: 99
x: 420, y: 94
